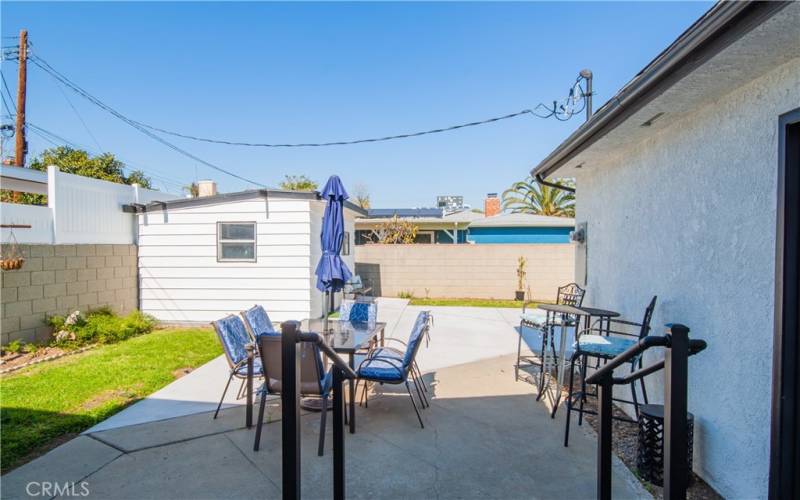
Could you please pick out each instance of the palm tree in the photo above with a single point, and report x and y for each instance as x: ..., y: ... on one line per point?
x: 530, y: 197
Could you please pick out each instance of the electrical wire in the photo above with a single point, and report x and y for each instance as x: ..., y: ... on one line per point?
x: 39, y: 62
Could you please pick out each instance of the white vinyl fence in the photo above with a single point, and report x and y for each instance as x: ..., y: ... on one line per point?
x: 79, y: 210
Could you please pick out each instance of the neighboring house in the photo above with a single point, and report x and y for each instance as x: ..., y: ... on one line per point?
x: 203, y: 258
x: 682, y: 179
x: 520, y: 228
x: 465, y: 226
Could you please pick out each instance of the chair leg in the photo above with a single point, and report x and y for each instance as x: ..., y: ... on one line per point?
x: 261, y: 406
x: 419, y: 417
x: 641, y: 382
x: 422, y: 399
x: 584, y: 362
x: 519, y: 354
x: 541, y: 364
x: 240, y: 392
x: 322, y: 419
x: 569, y: 398
x: 223, y: 396
x: 419, y: 374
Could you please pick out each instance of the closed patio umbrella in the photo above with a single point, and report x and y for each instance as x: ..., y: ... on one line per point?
x: 332, y: 272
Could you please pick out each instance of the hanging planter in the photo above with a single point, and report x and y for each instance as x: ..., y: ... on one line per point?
x: 12, y: 259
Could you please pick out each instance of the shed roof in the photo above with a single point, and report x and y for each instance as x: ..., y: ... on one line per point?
x: 237, y: 196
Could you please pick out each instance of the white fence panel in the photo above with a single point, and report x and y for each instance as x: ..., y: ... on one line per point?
x: 39, y: 218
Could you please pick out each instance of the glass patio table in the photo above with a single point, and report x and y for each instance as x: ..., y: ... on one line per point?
x: 565, y: 312
x: 347, y: 337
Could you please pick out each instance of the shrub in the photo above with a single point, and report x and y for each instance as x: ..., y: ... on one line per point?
x: 99, y: 326
x: 14, y: 346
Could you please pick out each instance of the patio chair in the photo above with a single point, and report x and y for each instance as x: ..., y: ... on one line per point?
x: 382, y: 368
x: 571, y: 295
x: 604, y: 344
x: 358, y: 312
x: 355, y: 289
x: 314, y: 381
x: 234, y: 337
x: 257, y: 322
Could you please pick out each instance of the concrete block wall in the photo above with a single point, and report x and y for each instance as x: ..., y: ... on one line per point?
x: 464, y: 271
x: 59, y: 279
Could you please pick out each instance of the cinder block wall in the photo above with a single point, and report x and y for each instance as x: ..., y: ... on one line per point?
x: 468, y: 271
x: 58, y: 279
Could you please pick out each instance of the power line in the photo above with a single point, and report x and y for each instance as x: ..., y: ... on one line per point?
x: 86, y: 127
x: 10, y: 96
x: 39, y: 62
x: 563, y: 112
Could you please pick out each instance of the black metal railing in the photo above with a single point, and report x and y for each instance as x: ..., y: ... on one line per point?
x: 290, y: 408
x: 679, y: 348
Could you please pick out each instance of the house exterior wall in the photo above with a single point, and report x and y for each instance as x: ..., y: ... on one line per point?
x: 59, y: 279
x: 474, y: 271
x: 696, y: 226
x: 182, y: 281
x: 482, y: 235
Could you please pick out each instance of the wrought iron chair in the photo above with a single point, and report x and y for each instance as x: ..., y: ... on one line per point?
x: 606, y: 343
x: 234, y: 337
x: 571, y: 295
x: 257, y: 322
x: 388, y: 369
x: 314, y: 381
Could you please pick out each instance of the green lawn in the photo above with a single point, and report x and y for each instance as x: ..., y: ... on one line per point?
x: 466, y: 302
x: 47, y: 402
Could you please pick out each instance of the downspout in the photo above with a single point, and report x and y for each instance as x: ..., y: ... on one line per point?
x: 541, y: 180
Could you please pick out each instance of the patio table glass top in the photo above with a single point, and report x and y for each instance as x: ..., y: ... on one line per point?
x: 344, y: 336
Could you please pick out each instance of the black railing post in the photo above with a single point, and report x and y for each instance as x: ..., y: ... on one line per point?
x: 250, y: 350
x: 290, y: 409
x: 338, y: 434
x: 605, y: 390
x: 676, y: 372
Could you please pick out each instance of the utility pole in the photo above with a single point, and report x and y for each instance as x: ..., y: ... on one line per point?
x: 587, y: 75
x: 19, y: 154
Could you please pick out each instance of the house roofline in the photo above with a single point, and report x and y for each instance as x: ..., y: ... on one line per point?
x: 723, y: 24
x: 136, y: 208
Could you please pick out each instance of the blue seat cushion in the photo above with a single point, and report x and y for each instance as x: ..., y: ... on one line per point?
x: 600, y: 345
x: 381, y: 370
x: 258, y: 370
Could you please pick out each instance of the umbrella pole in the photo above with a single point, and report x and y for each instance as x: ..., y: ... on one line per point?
x: 327, y: 312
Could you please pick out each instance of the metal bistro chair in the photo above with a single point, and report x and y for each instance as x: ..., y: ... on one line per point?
x: 234, y: 337
x: 598, y: 343
x: 314, y: 381
x: 570, y: 295
x: 385, y: 369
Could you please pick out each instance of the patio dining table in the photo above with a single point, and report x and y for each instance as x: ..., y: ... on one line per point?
x: 348, y: 338
x: 565, y: 312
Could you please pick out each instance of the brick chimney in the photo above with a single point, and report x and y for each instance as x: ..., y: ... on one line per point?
x: 491, y: 205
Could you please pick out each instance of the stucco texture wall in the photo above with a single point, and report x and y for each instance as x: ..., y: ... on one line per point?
x: 690, y: 215
x: 474, y: 271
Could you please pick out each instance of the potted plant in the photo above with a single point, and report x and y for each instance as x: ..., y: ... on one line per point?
x: 521, y: 273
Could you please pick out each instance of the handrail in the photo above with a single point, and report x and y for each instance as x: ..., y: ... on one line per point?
x: 317, y: 339
x: 633, y: 351
x: 695, y: 346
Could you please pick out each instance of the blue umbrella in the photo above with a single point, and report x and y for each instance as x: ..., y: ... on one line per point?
x: 332, y: 273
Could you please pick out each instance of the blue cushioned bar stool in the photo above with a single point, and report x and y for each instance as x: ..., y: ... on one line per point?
x: 381, y: 367
x: 234, y: 339
x: 604, y: 342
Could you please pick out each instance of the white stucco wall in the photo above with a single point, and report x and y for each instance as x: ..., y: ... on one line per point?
x: 689, y: 215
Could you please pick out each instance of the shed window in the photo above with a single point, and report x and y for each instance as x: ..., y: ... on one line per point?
x: 236, y: 241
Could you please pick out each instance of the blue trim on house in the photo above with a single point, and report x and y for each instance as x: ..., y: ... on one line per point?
x: 519, y: 234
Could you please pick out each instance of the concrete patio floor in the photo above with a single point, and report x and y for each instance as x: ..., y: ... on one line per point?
x: 485, y: 437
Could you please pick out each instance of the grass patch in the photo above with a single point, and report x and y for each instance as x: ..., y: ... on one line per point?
x: 46, y: 402
x: 415, y: 301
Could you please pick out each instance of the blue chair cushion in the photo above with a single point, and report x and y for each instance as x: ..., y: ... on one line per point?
x: 600, y: 345
x: 358, y: 312
x: 259, y: 321
x: 234, y: 337
x: 258, y: 370
x: 381, y: 370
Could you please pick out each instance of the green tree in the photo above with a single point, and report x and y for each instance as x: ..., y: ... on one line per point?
x: 79, y: 162
x: 298, y: 183
x: 530, y: 197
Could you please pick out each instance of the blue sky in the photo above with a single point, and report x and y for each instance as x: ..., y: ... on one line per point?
x: 310, y: 72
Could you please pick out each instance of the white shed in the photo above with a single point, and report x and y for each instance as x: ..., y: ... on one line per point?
x: 203, y: 258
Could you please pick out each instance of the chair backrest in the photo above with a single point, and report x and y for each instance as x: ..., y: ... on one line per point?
x: 233, y: 336
x: 355, y: 283
x: 312, y: 368
x: 420, y: 329
x: 358, y: 312
x: 648, y: 315
x: 570, y: 295
x: 257, y: 322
